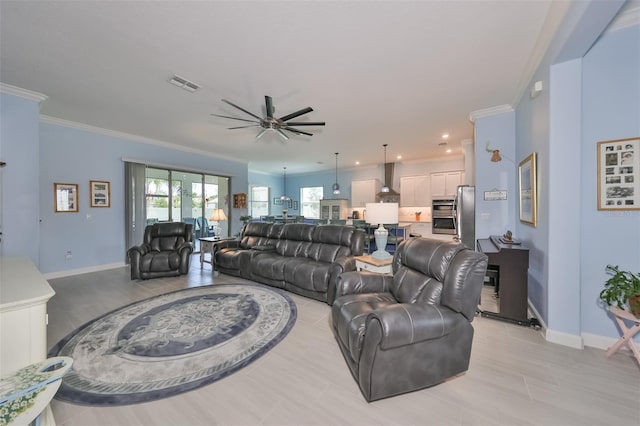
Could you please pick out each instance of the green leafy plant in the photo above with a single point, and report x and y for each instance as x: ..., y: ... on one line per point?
x: 620, y: 288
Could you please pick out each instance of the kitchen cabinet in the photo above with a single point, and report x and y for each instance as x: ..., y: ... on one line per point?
x: 414, y: 191
x: 444, y: 184
x: 334, y: 209
x: 363, y: 192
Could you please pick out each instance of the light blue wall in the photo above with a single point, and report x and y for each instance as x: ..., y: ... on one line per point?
x: 587, y: 97
x: 495, y: 217
x: 95, y: 236
x: 20, y: 204
x: 611, y: 110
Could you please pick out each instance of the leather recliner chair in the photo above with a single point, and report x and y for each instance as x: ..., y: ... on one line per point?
x: 411, y: 330
x: 165, y: 252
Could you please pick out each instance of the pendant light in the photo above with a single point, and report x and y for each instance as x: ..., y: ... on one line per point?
x: 284, y: 196
x: 384, y: 188
x: 336, y: 186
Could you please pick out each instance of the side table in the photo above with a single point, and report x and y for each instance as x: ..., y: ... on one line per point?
x: 371, y: 264
x: 210, y: 245
x: 620, y: 315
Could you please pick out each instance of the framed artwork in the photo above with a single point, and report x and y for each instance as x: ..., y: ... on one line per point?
x: 619, y: 174
x: 100, y: 193
x: 277, y: 201
x: 295, y: 205
x: 65, y: 197
x: 240, y: 201
x: 527, y: 192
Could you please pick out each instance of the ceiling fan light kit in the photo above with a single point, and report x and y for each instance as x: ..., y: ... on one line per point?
x: 269, y: 122
x: 284, y: 196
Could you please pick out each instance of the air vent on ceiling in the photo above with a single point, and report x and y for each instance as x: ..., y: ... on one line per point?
x: 187, y: 85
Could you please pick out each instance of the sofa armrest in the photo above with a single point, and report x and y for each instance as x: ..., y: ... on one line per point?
x: 140, y: 250
x: 405, y: 323
x: 264, y: 248
x: 362, y: 282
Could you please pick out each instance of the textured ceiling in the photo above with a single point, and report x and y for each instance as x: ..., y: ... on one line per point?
x: 379, y: 72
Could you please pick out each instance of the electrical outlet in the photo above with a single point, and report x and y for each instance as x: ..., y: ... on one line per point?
x: 68, y: 255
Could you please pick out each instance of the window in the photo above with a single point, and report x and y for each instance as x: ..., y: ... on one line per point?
x: 259, y: 201
x: 310, y: 204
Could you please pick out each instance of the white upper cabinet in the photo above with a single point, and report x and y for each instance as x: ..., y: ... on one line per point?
x: 363, y: 192
x: 414, y: 191
x: 444, y: 184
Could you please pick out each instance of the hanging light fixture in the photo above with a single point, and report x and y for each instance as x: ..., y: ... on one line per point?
x: 384, y: 188
x: 336, y: 186
x: 284, y: 196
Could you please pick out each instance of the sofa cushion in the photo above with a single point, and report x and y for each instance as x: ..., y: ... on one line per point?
x: 308, y: 274
x: 163, y: 261
x: 269, y: 265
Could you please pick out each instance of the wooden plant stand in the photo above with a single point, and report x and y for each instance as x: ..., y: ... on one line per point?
x: 620, y: 315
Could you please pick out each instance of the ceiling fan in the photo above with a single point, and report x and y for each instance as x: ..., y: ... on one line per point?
x: 273, y: 123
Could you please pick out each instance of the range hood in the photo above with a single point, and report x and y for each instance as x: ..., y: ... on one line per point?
x: 392, y: 196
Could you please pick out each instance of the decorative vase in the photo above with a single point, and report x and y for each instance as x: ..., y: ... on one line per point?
x: 634, y: 305
x: 417, y: 217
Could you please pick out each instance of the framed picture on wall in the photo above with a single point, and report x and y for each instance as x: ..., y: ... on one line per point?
x: 619, y: 174
x: 527, y: 192
x: 65, y: 197
x: 100, y: 193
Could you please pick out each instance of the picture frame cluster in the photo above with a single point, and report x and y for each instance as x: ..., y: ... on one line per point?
x: 66, y: 198
x: 619, y: 174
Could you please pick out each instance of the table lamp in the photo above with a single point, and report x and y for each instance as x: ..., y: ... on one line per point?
x: 217, y: 216
x: 381, y: 213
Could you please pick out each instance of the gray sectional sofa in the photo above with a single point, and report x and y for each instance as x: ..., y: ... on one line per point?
x: 302, y: 258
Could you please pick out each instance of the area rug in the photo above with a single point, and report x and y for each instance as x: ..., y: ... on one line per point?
x: 172, y: 343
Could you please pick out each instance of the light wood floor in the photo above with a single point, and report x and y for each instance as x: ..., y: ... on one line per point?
x: 515, y: 377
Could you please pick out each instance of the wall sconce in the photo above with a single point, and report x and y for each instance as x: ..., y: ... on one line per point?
x: 495, y: 154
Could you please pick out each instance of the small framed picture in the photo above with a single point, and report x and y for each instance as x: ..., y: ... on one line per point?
x: 100, y: 193
x: 65, y: 197
x: 619, y: 174
x: 295, y: 205
x: 527, y: 192
x: 277, y: 201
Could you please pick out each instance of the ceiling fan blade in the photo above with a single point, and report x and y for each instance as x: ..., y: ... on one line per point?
x: 259, y: 135
x: 242, y: 127
x: 283, y: 134
x: 305, y: 123
x: 296, y: 114
x: 241, y: 109
x: 296, y: 131
x: 236, y: 118
x: 269, y: 105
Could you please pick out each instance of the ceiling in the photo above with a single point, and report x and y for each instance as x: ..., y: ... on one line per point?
x: 395, y: 72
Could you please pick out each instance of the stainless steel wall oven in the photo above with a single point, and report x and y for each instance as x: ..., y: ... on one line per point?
x: 443, y: 216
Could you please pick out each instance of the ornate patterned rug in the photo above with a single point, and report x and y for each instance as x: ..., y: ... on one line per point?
x: 172, y: 343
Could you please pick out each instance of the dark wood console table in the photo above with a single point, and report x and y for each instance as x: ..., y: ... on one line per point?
x: 511, y: 261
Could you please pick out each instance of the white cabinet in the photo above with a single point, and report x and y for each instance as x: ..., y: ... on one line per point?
x: 363, y: 192
x: 414, y: 191
x: 333, y: 209
x: 444, y: 184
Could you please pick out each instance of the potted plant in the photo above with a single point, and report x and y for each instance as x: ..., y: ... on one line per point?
x: 622, y: 289
x: 244, y: 219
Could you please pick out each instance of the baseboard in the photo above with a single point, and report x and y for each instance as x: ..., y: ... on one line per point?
x: 597, y: 341
x: 70, y: 272
x: 565, y: 339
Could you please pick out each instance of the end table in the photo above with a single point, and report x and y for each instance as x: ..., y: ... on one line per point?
x: 371, y: 264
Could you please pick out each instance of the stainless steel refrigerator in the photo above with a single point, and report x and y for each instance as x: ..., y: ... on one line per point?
x: 465, y: 207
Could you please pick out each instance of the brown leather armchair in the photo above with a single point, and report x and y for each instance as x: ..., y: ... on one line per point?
x: 411, y: 330
x: 165, y: 252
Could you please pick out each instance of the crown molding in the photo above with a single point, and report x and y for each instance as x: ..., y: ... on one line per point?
x: 128, y: 136
x: 23, y: 93
x: 628, y: 17
x: 486, y: 112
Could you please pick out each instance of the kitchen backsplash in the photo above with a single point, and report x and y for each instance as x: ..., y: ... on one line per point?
x: 405, y: 214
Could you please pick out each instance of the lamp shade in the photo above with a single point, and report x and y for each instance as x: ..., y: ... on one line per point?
x: 218, y: 215
x: 378, y: 213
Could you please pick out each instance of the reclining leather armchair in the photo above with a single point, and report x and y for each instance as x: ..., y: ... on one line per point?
x: 165, y: 252
x: 411, y: 330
